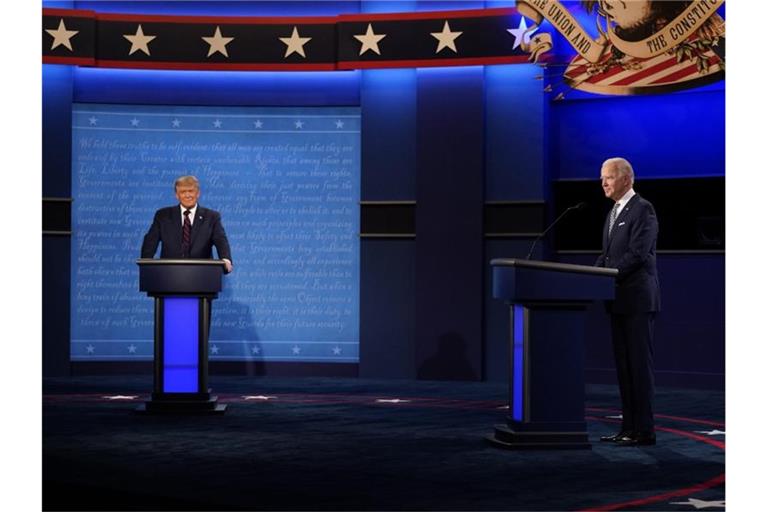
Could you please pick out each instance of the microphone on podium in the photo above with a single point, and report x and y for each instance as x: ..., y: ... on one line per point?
x: 579, y: 206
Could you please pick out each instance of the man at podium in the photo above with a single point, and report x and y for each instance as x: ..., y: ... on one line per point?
x: 187, y: 230
x: 629, y: 245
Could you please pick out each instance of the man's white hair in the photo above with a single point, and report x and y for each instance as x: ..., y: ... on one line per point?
x: 622, y: 166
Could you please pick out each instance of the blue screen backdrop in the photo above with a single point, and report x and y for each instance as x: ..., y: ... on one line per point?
x: 287, y: 183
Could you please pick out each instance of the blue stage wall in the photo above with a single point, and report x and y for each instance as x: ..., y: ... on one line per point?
x: 528, y: 141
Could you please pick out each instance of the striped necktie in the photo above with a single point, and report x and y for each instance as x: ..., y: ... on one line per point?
x: 186, y: 235
x: 612, y: 221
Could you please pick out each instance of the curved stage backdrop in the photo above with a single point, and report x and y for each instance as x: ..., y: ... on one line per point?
x: 287, y: 183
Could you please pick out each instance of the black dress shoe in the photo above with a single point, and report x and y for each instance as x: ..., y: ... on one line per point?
x: 615, y: 437
x: 637, y: 440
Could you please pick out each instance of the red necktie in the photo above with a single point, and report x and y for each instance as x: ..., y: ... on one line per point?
x: 186, y: 235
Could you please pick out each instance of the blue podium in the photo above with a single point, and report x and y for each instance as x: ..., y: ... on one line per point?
x: 183, y: 290
x: 547, y: 303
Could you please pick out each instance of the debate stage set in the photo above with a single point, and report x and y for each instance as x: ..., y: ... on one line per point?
x: 411, y: 192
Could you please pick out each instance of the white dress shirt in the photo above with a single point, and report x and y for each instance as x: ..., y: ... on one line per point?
x: 624, y: 200
x: 192, y: 212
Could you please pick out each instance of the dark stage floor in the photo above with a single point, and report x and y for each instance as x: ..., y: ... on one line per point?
x: 354, y: 444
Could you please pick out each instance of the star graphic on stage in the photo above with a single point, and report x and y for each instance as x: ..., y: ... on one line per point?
x: 93, y: 120
x: 299, y: 125
x: 255, y: 349
x: 339, y: 124
x: 446, y: 38
x: 218, y: 43
x: 214, y: 349
x: 370, y: 41
x: 217, y: 123
x: 135, y: 122
x: 131, y: 348
x: 295, y: 44
x: 699, y: 504
x: 296, y: 350
x: 336, y: 350
x: 711, y: 432
x: 176, y: 123
x: 61, y: 36
x: 520, y: 35
x: 90, y: 349
x: 257, y: 123
x: 139, y: 41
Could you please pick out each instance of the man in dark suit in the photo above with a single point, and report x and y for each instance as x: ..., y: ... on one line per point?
x: 629, y: 245
x: 187, y: 230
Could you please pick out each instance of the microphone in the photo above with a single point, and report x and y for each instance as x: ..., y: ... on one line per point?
x: 579, y: 206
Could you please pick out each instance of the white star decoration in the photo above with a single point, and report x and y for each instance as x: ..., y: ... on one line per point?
x: 62, y: 36
x: 446, y: 38
x: 218, y: 43
x: 296, y: 350
x: 257, y: 123
x: 90, y: 349
x: 339, y: 124
x: 217, y: 124
x: 336, y: 351
x: 699, y: 504
x: 135, y: 122
x: 132, y: 349
x: 259, y: 397
x: 519, y: 33
x: 299, y: 125
x: 176, y: 123
x: 92, y: 120
x: 370, y: 41
x: 255, y: 349
x: 711, y: 432
x: 214, y: 349
x: 391, y: 401
x: 295, y: 43
x: 139, y: 41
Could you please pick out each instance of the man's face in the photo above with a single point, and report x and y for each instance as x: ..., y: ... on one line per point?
x: 615, y: 184
x: 187, y: 195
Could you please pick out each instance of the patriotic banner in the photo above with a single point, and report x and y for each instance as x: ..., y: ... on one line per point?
x: 646, y: 47
x: 451, y: 38
x: 69, y: 37
x: 423, y: 39
x: 643, y: 46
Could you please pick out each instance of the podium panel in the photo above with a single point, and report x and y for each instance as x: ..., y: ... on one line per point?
x: 546, y: 302
x: 183, y: 291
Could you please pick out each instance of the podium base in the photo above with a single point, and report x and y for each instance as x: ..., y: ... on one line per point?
x: 505, y: 437
x: 157, y: 405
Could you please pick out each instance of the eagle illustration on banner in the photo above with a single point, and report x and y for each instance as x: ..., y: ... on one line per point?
x: 643, y: 46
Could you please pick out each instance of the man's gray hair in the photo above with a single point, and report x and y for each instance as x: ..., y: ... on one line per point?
x: 622, y: 166
x: 186, y: 180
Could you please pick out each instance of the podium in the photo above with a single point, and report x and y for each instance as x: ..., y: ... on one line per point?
x: 547, y: 305
x: 183, y: 290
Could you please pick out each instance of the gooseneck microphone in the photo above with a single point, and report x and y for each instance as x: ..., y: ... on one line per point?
x: 569, y: 209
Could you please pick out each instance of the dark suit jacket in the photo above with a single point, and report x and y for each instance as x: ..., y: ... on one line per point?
x: 207, y: 232
x: 631, y: 249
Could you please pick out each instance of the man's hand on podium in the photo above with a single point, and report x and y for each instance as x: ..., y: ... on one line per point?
x: 227, y: 265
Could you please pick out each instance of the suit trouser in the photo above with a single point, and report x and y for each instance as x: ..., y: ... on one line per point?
x: 632, y: 336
